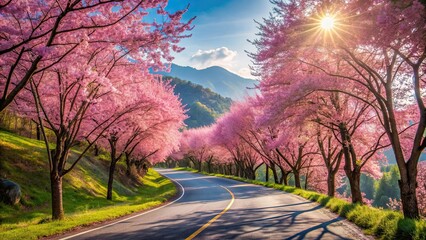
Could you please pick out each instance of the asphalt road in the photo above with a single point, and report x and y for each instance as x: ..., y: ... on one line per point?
x: 216, y: 208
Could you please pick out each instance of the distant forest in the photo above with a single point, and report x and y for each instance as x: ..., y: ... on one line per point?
x: 203, y: 105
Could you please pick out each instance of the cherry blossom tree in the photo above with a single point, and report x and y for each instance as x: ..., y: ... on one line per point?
x: 297, y: 150
x: 241, y: 122
x: 309, y: 99
x: 223, y: 159
x: 156, y: 114
x: 68, y: 102
x: 74, y: 96
x: 197, y: 146
x: 354, y: 126
x: 37, y: 35
x: 331, y: 154
x: 226, y: 134
x: 351, y: 123
x: 378, y: 47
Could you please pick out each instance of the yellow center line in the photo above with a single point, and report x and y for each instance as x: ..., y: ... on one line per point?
x: 215, y: 218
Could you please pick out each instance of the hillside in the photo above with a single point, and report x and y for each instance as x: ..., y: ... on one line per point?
x: 203, y: 105
x: 23, y: 160
x: 218, y: 79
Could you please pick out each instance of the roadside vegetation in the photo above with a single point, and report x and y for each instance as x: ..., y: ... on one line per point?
x: 383, y: 224
x: 24, y: 160
x: 92, y: 90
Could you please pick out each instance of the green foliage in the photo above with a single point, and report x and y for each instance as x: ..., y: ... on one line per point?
x: 387, y: 187
x: 261, y: 174
x: 24, y: 161
x: 383, y: 224
x: 203, y: 105
x: 367, y: 186
x: 186, y: 169
x: 200, y: 115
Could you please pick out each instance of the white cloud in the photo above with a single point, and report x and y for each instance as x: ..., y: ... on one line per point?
x: 245, y: 72
x: 214, y: 57
x: 223, y: 57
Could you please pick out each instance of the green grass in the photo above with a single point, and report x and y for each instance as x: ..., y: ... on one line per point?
x: 156, y: 190
x: 383, y: 224
x: 24, y: 161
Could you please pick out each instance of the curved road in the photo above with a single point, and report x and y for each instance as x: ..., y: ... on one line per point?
x: 216, y: 208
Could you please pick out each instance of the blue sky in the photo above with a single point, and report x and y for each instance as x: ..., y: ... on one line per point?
x: 222, y: 28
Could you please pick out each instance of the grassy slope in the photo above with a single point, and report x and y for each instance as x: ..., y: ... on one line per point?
x: 24, y: 161
x: 383, y: 224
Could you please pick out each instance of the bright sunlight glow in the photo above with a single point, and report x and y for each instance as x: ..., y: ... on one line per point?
x: 327, y: 23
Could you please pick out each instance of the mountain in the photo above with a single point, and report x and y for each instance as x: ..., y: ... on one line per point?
x: 203, y: 105
x: 218, y: 79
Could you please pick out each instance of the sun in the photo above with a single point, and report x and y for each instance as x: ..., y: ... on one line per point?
x: 330, y: 27
x: 327, y: 22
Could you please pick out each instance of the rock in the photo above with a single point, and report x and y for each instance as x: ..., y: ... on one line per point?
x: 10, y: 192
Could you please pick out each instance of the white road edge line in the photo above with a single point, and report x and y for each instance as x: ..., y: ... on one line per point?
x: 152, y: 210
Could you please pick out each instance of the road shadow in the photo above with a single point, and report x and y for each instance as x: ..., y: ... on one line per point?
x: 257, y: 213
x: 257, y: 223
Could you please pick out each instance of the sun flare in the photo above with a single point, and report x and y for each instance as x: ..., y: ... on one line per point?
x: 327, y: 23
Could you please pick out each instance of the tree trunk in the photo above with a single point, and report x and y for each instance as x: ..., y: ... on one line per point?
x: 128, y: 165
x: 111, y: 179
x: 243, y: 172
x: 409, y: 200
x: 38, y: 131
x: 274, y: 173
x: 145, y: 168
x: 297, y: 179
x: 284, y: 176
x: 56, y: 190
x: 96, y: 150
x: 209, y: 166
x: 199, y: 166
x: 352, y: 168
x: 267, y: 173
x: 251, y: 174
x: 409, y: 197
x: 247, y: 173
x: 331, y: 187
x: 306, y: 181
x: 354, y: 181
x: 237, y: 170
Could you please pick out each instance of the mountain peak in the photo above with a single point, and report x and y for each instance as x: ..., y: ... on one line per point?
x: 216, y: 78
